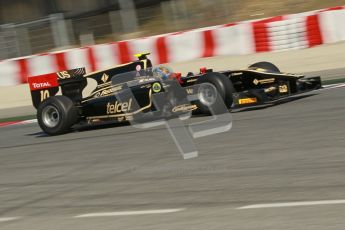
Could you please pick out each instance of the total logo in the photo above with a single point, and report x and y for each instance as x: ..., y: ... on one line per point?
x: 41, y: 85
x: 117, y: 107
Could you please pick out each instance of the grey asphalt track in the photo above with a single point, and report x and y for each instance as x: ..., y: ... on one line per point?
x: 290, y: 152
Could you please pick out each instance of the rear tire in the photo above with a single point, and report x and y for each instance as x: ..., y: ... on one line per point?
x: 209, y: 97
x: 56, y: 115
x: 265, y: 65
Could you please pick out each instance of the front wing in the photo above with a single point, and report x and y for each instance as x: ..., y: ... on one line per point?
x: 275, y: 93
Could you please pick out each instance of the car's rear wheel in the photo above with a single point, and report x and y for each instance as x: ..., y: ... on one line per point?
x: 265, y: 65
x: 214, y: 92
x: 56, y: 115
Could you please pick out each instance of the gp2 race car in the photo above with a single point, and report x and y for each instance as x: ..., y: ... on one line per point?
x: 205, y: 92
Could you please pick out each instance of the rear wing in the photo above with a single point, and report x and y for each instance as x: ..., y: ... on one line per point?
x: 71, y: 82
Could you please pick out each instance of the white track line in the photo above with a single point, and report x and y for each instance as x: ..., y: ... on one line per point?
x: 6, y: 219
x: 129, y: 213
x: 334, y: 86
x: 29, y: 121
x: 293, y: 204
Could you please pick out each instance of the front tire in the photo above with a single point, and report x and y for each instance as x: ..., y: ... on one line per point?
x: 56, y: 115
x: 208, y: 96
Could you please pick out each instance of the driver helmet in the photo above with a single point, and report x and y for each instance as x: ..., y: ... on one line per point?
x: 162, y: 72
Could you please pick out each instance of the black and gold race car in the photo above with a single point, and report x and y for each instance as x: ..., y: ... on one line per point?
x: 139, y: 91
x: 261, y: 83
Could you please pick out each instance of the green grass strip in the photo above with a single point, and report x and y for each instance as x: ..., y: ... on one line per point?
x: 21, y: 118
x: 333, y: 81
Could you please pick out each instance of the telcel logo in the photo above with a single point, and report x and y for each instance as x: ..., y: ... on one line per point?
x: 41, y: 85
x: 119, y: 107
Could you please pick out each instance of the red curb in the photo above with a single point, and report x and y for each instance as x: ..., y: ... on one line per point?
x: 3, y: 124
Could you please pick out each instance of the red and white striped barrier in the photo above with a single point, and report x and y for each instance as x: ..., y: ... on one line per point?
x: 279, y: 33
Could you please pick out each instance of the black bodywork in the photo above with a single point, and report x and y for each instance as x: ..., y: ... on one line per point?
x: 249, y: 87
x: 257, y: 86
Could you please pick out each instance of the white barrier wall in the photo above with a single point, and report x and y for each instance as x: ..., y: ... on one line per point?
x: 332, y: 25
x: 279, y: 33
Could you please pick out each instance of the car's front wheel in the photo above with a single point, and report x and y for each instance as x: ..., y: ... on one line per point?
x: 56, y: 115
x: 265, y: 65
x: 214, y: 93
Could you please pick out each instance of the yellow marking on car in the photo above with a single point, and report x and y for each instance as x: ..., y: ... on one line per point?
x: 249, y: 100
x: 105, y: 77
x: 283, y: 89
x: 156, y: 87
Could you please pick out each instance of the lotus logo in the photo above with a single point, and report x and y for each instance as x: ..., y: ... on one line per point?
x: 156, y: 87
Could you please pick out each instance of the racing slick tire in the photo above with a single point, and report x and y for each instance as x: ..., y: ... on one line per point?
x: 56, y: 115
x: 208, y: 96
x: 265, y: 65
